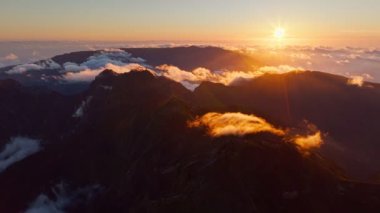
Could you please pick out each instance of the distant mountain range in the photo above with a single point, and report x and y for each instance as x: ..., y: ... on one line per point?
x: 124, y: 141
x: 187, y: 58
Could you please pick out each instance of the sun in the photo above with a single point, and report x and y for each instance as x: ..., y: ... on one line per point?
x: 279, y: 33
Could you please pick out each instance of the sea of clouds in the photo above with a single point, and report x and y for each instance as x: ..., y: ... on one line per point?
x: 359, y: 64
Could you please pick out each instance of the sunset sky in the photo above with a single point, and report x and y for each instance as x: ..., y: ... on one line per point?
x: 322, y: 22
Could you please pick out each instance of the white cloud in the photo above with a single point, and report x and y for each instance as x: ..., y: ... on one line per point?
x: 46, y: 64
x: 80, y: 111
x: 88, y: 75
x: 63, y: 198
x: 114, y: 59
x: 355, y: 61
x: 82, y: 76
x: 73, y: 67
x: 20, y: 69
x: 16, y: 150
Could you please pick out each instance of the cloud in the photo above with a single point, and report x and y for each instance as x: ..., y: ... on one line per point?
x: 192, y: 79
x: 342, y: 61
x: 41, y: 65
x: 63, y: 198
x: 279, y: 69
x: 16, y: 150
x: 345, y: 61
x: 73, y: 67
x: 239, y: 124
x: 356, y: 80
x: 114, y: 59
x: 82, y: 76
x: 89, y: 75
x: 127, y: 68
x: 10, y: 57
x: 308, y: 142
x: 80, y: 111
x: 20, y: 69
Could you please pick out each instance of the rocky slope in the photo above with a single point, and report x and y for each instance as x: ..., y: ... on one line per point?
x: 126, y: 142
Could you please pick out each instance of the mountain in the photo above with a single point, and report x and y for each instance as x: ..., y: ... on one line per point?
x: 33, y: 111
x: 348, y: 114
x: 189, y: 58
x: 51, y: 73
x: 125, y: 145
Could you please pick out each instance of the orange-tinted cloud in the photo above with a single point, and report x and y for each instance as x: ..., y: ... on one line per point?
x: 11, y: 57
x: 239, y: 124
x: 356, y: 80
x: 309, y: 142
x: 192, y: 79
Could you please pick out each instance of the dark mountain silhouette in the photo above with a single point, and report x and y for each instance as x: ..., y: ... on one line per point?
x: 189, y: 58
x: 33, y: 111
x: 349, y: 114
x: 74, y: 57
x: 132, y: 139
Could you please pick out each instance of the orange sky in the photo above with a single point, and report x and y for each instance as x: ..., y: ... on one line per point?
x: 323, y: 22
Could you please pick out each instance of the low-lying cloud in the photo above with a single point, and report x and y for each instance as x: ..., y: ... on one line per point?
x: 10, y: 57
x: 17, y: 149
x: 239, y: 124
x: 89, y: 75
x: 346, y: 61
x: 349, y: 62
x: 81, y: 109
x: 192, y: 79
x: 63, y: 198
x: 42, y: 65
x: 309, y: 142
x: 222, y: 124
x: 114, y: 59
x: 356, y: 80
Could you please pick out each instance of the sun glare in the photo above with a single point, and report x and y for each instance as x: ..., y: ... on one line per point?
x: 279, y: 33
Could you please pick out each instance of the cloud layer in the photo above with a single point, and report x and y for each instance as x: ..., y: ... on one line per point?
x: 122, y: 62
x: 114, y: 59
x: 192, y: 79
x: 358, y: 64
x: 346, y: 61
x: 41, y: 65
x: 16, y: 150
